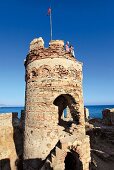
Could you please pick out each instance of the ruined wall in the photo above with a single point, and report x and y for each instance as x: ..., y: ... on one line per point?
x: 8, y: 154
x: 50, y: 73
x: 108, y: 116
x: 75, y: 145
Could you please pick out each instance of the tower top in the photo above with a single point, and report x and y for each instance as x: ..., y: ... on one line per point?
x: 38, y: 43
x: 56, y: 49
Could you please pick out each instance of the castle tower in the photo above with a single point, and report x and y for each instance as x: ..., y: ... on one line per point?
x: 53, y: 83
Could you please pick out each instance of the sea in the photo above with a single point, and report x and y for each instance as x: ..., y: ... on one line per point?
x: 11, y: 109
x: 94, y: 110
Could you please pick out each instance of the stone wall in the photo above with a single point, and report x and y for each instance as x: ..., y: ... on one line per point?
x: 108, y: 116
x: 8, y: 154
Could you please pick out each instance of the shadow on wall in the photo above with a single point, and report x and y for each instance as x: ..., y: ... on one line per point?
x: 63, y: 101
x: 5, y: 164
x: 32, y: 164
x: 18, y: 139
x: 72, y: 161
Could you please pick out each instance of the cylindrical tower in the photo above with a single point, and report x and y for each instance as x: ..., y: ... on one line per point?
x: 53, y: 82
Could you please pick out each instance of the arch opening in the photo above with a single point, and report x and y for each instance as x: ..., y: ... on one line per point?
x: 66, y: 103
x: 72, y: 161
x: 5, y: 164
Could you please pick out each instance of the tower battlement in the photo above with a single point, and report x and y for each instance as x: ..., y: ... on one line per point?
x: 55, y: 50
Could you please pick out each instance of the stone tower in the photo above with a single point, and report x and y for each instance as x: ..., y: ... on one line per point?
x: 54, y: 83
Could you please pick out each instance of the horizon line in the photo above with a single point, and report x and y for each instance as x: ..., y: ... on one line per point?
x: 5, y: 105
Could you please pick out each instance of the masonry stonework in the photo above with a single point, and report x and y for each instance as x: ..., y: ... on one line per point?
x: 8, y: 155
x: 54, y: 83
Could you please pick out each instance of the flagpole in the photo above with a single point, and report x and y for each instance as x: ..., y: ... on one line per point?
x: 51, y: 31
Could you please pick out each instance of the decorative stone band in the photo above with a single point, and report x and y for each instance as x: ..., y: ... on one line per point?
x: 58, y: 71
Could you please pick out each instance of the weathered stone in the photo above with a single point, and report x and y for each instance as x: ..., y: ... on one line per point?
x: 51, y: 137
x: 54, y: 83
x: 8, y: 154
x: 36, y: 44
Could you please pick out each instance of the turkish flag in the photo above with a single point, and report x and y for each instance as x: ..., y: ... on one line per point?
x: 49, y: 11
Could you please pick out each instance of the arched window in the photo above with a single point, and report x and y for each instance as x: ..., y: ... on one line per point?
x: 66, y: 102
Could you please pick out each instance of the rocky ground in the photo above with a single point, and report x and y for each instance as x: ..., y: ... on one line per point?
x: 102, y: 144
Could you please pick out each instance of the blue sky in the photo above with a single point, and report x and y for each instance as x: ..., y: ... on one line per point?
x: 88, y: 25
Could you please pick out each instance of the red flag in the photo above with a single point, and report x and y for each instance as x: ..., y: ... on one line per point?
x: 49, y: 11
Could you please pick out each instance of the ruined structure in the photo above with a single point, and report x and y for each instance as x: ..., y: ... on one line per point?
x: 108, y: 116
x: 54, y: 83
x: 8, y: 155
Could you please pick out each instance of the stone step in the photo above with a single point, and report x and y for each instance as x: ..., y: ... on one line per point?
x: 59, y: 145
x: 48, y: 160
x: 58, y: 151
x: 53, y: 154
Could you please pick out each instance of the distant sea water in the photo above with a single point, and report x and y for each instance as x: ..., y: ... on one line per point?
x: 11, y: 109
x: 95, y: 110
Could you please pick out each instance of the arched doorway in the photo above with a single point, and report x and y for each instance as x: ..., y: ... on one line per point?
x: 64, y: 101
x: 5, y: 164
x: 72, y: 161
